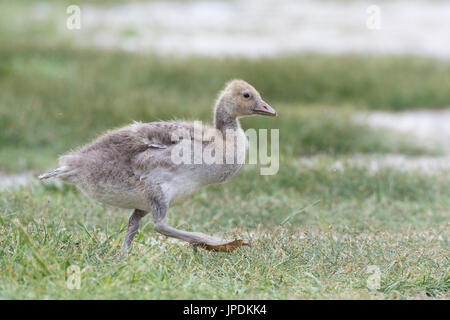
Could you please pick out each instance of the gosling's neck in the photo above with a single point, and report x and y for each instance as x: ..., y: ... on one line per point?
x: 223, y: 120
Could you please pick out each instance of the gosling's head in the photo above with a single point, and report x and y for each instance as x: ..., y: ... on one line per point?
x: 240, y: 99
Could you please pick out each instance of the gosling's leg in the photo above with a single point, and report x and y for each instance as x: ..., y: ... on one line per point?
x: 132, y: 228
x: 198, y: 239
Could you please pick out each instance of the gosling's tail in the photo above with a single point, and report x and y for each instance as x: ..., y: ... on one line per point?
x: 53, y: 173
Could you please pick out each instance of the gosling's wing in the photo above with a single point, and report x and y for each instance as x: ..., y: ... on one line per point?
x: 160, y: 139
x: 162, y: 135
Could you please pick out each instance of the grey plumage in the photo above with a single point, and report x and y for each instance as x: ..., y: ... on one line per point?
x: 132, y: 168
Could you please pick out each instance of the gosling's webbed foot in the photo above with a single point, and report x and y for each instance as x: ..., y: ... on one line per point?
x: 200, y: 240
x: 220, y: 245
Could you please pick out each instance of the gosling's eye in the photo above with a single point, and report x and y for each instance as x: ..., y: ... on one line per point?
x: 246, y: 95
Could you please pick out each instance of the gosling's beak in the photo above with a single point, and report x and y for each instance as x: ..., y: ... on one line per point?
x: 263, y: 109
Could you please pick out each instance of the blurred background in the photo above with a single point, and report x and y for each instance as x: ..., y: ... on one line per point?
x: 362, y: 89
x: 67, y: 74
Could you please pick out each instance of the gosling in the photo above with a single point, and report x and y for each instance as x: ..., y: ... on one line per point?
x: 133, y: 167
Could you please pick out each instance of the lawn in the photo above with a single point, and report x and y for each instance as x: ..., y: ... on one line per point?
x: 55, y: 96
x: 396, y: 222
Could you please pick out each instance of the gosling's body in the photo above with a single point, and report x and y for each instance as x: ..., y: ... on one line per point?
x: 128, y: 167
x: 133, y: 168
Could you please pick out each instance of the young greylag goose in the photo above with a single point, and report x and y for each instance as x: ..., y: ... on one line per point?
x: 134, y: 167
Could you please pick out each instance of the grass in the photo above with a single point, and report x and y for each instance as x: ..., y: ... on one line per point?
x: 55, y: 96
x: 59, y: 92
x: 396, y: 221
